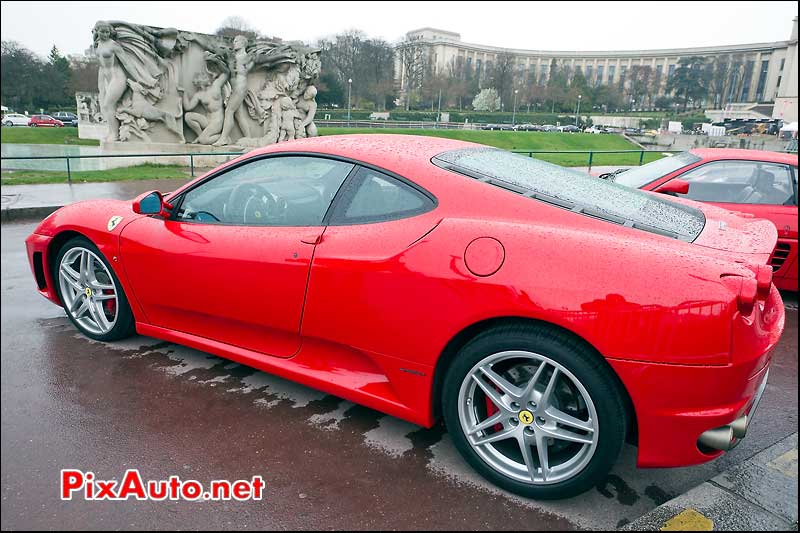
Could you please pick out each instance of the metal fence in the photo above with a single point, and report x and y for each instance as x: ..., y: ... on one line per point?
x: 394, y: 124
x: 591, y: 153
x: 68, y: 158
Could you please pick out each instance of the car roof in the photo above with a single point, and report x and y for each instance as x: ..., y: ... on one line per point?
x: 389, y: 151
x: 714, y: 154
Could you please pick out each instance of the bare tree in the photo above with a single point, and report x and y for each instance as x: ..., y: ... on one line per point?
x: 235, y: 25
x: 413, y: 62
x: 503, y: 76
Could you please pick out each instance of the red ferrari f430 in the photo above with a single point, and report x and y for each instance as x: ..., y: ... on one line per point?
x: 545, y: 315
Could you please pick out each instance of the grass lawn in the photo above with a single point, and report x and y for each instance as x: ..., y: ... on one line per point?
x: 531, y: 140
x: 140, y: 172
x: 27, y: 135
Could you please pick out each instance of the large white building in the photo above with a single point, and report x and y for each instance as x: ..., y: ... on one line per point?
x: 766, y: 73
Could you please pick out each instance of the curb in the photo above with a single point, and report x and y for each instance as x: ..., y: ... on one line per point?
x: 28, y: 213
x: 759, y: 494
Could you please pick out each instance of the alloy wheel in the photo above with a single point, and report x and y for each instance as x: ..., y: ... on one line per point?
x: 528, y: 417
x: 88, y: 290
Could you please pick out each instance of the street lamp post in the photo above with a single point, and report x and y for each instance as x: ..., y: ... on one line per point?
x: 514, y: 111
x: 578, y: 110
x: 349, y: 90
x: 632, y: 102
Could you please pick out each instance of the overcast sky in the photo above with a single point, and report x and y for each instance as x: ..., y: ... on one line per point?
x: 533, y: 25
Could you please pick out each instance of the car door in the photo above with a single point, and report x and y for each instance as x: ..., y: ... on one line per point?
x: 362, y: 292
x: 765, y: 190
x: 232, y: 261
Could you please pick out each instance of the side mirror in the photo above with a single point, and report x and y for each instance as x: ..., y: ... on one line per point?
x: 151, y: 203
x: 673, y: 187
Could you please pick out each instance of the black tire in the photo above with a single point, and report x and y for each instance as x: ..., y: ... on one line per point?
x: 125, y: 325
x: 588, y: 367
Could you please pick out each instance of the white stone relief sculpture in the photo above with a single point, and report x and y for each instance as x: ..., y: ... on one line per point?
x: 168, y: 86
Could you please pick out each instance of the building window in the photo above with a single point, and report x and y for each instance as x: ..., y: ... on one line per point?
x: 589, y: 70
x: 783, y: 62
x: 542, y: 74
x: 671, y: 71
x: 599, y: 78
x: 746, y: 82
x: 657, y: 83
x: 762, y: 80
x: 611, y: 70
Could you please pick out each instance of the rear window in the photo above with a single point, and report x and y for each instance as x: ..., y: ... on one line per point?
x: 640, y: 176
x: 576, y: 191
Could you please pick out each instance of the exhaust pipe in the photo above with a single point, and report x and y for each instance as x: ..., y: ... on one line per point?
x: 739, y: 427
x: 720, y: 438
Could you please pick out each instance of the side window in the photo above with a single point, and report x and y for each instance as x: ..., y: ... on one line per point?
x: 276, y: 191
x: 376, y: 197
x: 740, y: 182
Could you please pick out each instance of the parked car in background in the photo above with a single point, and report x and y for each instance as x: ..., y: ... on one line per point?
x: 44, y: 120
x: 15, y: 119
x: 549, y: 127
x: 69, y: 119
x: 569, y: 128
x: 595, y: 129
x: 763, y: 184
x: 632, y: 131
x: 547, y: 331
x: 528, y: 127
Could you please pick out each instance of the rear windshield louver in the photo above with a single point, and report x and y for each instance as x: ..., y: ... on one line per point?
x: 779, y: 256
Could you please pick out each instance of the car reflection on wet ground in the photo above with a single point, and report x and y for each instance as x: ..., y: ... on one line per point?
x: 69, y: 402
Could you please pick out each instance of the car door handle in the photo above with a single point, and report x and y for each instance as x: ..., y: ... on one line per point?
x: 312, y: 239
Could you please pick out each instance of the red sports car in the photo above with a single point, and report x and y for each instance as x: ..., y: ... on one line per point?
x: 763, y: 184
x: 44, y: 120
x: 543, y: 314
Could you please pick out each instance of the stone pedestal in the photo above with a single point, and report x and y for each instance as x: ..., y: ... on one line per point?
x: 168, y: 154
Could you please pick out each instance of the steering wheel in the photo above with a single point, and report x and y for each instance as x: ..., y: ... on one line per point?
x: 250, y: 203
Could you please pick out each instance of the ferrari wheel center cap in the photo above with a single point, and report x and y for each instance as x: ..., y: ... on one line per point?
x: 525, y: 417
x: 88, y: 292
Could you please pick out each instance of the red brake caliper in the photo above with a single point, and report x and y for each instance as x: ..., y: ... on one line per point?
x: 110, y: 305
x: 491, y: 409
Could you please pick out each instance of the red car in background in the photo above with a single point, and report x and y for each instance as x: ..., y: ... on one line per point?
x: 760, y: 183
x: 44, y: 120
x: 544, y: 314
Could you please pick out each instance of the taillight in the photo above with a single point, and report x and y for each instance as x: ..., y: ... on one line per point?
x: 764, y: 281
x: 746, y: 291
x: 748, y: 294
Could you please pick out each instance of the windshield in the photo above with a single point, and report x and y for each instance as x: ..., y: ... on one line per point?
x: 576, y: 191
x: 638, y: 177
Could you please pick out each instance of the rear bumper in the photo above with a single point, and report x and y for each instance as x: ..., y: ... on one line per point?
x: 676, y: 404
x: 725, y: 438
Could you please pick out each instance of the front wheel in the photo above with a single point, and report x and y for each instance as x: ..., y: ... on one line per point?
x: 91, y: 293
x: 32, y: 125
x: 534, y: 411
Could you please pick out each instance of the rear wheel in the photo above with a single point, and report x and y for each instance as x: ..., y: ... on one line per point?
x: 534, y: 411
x: 91, y: 293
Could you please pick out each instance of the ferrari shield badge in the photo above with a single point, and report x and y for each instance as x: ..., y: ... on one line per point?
x: 112, y: 223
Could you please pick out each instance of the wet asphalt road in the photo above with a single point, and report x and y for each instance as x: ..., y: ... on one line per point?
x: 68, y: 402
